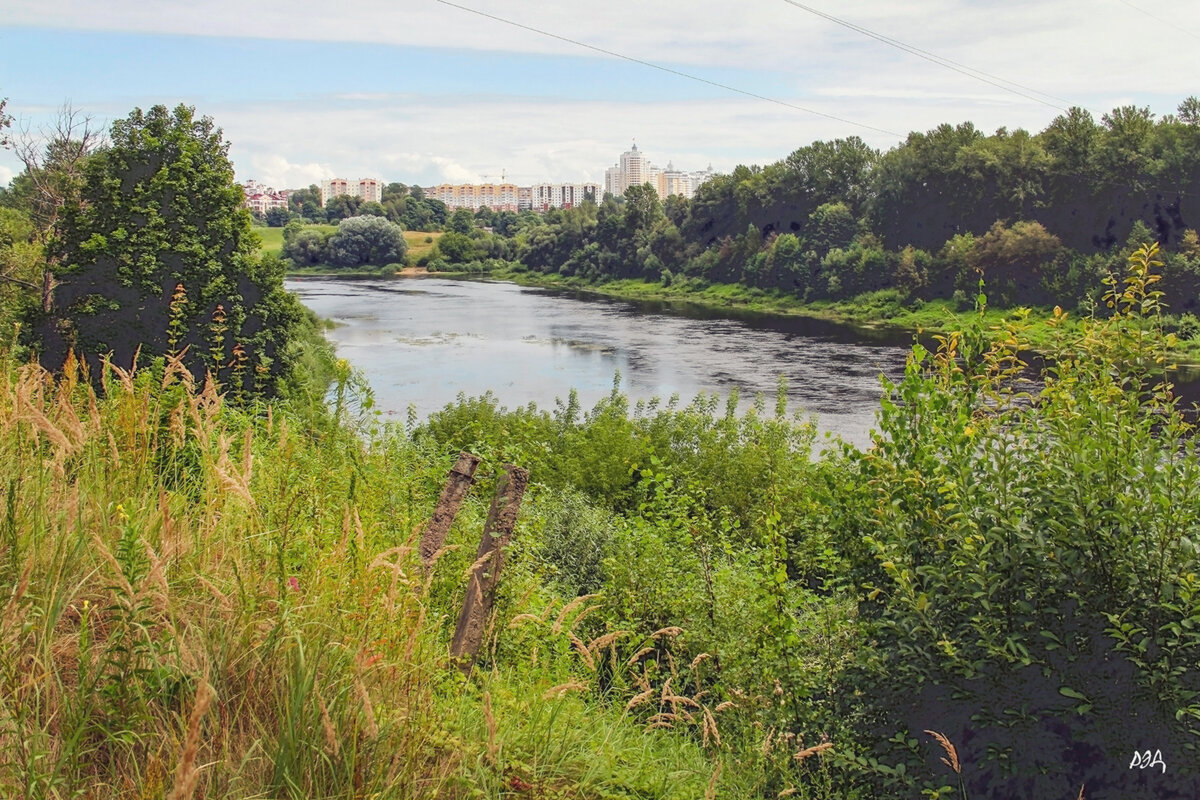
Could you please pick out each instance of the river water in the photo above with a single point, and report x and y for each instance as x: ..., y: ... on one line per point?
x: 422, y: 341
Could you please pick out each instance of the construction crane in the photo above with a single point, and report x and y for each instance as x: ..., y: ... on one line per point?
x: 503, y: 174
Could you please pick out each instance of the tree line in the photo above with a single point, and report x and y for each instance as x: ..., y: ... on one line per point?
x: 1039, y: 217
x: 406, y: 206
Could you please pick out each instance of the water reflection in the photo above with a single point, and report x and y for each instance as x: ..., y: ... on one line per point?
x: 422, y: 341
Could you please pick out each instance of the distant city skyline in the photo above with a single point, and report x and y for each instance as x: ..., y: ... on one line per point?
x: 434, y: 94
x: 632, y: 168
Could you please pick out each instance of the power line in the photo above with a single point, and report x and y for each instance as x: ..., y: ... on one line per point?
x: 661, y: 68
x: 1169, y: 23
x: 970, y: 72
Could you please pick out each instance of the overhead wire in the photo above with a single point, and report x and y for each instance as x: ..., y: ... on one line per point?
x: 979, y: 75
x: 669, y: 70
x: 1171, y: 24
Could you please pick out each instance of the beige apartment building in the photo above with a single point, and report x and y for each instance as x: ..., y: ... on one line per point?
x: 498, y: 197
x: 633, y: 169
x: 510, y: 197
x: 369, y: 189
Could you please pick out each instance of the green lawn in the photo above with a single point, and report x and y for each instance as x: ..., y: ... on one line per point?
x: 417, y: 246
x: 272, y: 240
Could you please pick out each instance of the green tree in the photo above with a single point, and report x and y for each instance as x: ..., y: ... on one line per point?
x: 1014, y: 261
x: 307, y: 203
x: 343, y: 206
x: 54, y: 160
x: 837, y: 170
x: 1189, y: 111
x: 831, y: 225
x: 157, y: 257
x: 5, y: 124
x: 21, y: 267
x: 455, y: 247
x: 461, y: 221
x: 305, y: 246
x: 277, y: 217
x: 366, y: 241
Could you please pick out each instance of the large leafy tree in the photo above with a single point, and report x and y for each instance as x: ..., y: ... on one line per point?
x: 366, y: 241
x: 307, y: 203
x: 157, y: 257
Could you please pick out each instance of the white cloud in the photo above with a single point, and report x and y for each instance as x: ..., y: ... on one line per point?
x: 1082, y: 51
x: 425, y: 141
x: 275, y: 170
x: 1022, y: 40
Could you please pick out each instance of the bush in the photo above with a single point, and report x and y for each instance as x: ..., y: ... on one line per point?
x: 1020, y: 556
x: 366, y: 241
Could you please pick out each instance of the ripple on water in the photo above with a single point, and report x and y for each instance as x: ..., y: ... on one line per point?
x: 423, y: 341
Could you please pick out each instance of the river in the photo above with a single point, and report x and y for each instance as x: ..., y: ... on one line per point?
x: 422, y: 341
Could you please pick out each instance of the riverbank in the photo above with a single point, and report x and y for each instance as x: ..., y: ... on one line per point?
x: 1041, y: 330
x: 872, y: 312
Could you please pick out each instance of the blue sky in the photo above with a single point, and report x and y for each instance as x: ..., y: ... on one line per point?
x: 419, y: 91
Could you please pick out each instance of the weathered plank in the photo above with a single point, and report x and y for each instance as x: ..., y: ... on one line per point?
x: 458, y: 483
x: 485, y: 572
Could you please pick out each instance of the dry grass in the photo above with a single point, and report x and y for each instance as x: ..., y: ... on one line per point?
x: 417, y: 246
x: 200, y: 602
x: 163, y: 551
x: 186, y: 773
x: 951, y: 759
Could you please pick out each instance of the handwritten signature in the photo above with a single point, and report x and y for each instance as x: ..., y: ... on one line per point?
x: 1146, y: 759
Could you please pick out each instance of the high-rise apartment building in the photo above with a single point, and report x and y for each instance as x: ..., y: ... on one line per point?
x: 369, y: 189
x: 545, y: 196
x: 497, y: 197
x: 632, y: 169
x: 510, y: 197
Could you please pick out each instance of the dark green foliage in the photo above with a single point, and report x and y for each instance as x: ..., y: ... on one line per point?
x: 456, y: 248
x: 575, y: 543
x: 408, y: 207
x: 365, y: 241
x: 158, y: 259
x: 1012, y: 564
x: 1040, y: 217
x: 342, y: 206
x: 304, y: 247
x: 277, y: 217
x: 1016, y: 263
x: 462, y: 221
x: 307, y: 203
x: 21, y: 267
x: 1030, y: 568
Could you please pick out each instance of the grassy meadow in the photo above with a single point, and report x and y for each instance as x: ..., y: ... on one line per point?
x: 272, y: 240
x: 417, y: 244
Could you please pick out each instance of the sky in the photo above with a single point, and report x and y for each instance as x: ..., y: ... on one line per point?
x: 431, y: 91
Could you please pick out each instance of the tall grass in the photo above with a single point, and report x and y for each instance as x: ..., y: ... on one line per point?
x: 198, y: 601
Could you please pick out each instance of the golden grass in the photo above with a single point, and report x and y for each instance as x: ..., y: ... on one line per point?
x: 200, y: 601
x: 417, y: 246
x: 952, y: 754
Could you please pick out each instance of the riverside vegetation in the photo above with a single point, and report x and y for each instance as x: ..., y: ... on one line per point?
x: 217, y: 599
x: 210, y: 584
x: 902, y: 237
